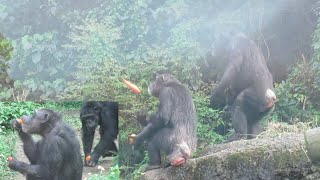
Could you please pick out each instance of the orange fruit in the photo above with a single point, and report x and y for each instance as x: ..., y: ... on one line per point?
x: 88, y: 158
x: 20, y: 121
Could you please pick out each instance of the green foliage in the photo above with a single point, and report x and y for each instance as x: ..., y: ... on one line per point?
x: 113, y: 174
x: 208, y: 120
x: 5, y: 54
x: 36, y: 56
x: 5, y: 48
x: 296, y: 95
x: 7, y: 147
x: 12, y: 110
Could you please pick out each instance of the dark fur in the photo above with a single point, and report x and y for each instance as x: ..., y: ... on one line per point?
x: 105, y: 115
x: 172, y: 129
x: 243, y: 87
x: 56, y: 156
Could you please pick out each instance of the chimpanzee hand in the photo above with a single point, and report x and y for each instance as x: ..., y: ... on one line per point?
x: 135, y: 139
x: 16, y: 125
x: 132, y: 139
x: 14, y: 164
x: 92, y: 161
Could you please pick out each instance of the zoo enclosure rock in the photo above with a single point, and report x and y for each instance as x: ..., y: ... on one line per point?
x: 266, y: 159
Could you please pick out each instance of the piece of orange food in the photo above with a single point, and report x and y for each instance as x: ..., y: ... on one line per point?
x: 20, y: 121
x: 132, y: 86
x: 131, y: 140
x: 10, y: 158
x: 88, y: 158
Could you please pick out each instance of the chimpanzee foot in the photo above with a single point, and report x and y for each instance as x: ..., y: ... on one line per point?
x: 150, y: 167
x: 235, y: 137
x: 110, y: 153
x: 93, y: 161
x: 178, y: 162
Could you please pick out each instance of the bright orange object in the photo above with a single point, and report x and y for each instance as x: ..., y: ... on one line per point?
x: 131, y: 140
x: 20, y: 121
x: 132, y: 86
x: 10, y: 158
x: 88, y: 158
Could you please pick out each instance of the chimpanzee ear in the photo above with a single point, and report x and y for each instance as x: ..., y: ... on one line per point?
x: 46, y: 118
x: 156, y: 75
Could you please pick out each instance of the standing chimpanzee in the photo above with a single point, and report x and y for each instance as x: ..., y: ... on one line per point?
x: 246, y: 88
x: 104, y: 114
x: 172, y: 129
x: 56, y: 156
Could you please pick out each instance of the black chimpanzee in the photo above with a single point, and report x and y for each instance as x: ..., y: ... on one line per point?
x: 56, y: 156
x: 246, y: 88
x: 172, y: 129
x: 104, y: 114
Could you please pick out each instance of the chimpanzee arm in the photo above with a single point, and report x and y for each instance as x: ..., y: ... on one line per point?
x: 161, y: 118
x: 224, y: 93
x: 50, y: 160
x: 34, y: 170
x: 87, y: 140
x: 29, y: 146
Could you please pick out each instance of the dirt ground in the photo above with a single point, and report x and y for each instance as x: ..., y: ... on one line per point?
x: 102, y: 168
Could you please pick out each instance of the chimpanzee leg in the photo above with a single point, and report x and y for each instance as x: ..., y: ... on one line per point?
x: 239, y: 123
x: 154, y: 155
x: 253, y: 129
x: 112, y: 150
x: 106, y: 142
x: 87, y: 139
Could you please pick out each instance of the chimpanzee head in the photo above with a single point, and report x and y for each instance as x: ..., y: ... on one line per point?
x: 161, y: 81
x: 39, y: 122
x: 90, y: 114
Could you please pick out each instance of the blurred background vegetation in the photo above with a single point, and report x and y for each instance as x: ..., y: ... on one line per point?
x: 77, y: 50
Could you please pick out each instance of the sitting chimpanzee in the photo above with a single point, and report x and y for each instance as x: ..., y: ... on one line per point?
x: 56, y: 156
x: 246, y: 88
x: 104, y: 114
x: 172, y: 129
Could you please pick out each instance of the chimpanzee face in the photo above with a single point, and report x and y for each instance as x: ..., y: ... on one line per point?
x: 160, y: 82
x: 33, y: 124
x: 90, y: 115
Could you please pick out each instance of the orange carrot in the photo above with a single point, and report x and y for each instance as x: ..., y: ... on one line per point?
x: 132, y: 86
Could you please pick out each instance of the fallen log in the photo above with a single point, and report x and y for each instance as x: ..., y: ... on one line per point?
x: 282, y: 157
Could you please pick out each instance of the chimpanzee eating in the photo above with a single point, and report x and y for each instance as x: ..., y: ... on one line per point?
x: 56, y: 156
x: 246, y: 88
x: 104, y: 114
x: 172, y: 129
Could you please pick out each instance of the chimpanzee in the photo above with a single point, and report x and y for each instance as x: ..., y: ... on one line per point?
x: 56, y: 156
x: 246, y: 88
x: 172, y: 129
x: 104, y: 114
